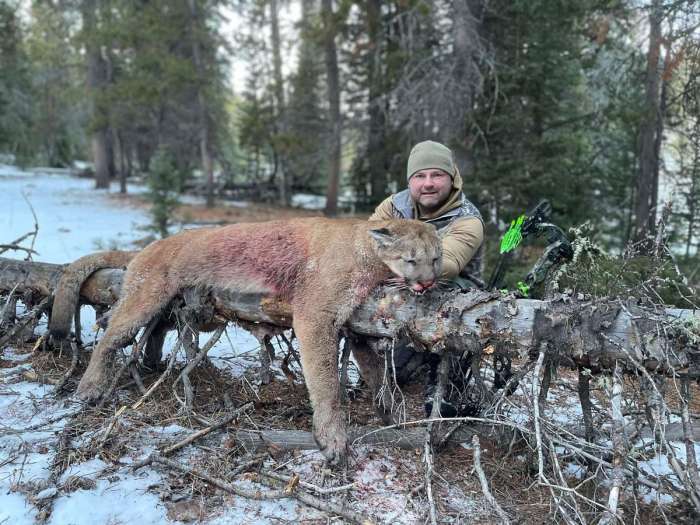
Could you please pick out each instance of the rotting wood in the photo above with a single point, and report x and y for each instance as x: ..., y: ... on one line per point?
x: 593, y: 334
x: 405, y: 438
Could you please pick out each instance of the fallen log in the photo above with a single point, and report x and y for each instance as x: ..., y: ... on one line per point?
x: 594, y: 333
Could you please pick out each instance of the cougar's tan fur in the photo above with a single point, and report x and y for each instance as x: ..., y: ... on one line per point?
x: 325, y: 268
x: 67, y: 293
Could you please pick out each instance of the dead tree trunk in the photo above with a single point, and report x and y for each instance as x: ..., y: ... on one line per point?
x: 594, y: 334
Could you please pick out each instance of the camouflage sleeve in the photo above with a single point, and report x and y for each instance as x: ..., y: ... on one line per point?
x: 384, y: 211
x: 459, y: 244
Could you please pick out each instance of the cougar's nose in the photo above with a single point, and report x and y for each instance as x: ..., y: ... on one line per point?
x: 422, y: 286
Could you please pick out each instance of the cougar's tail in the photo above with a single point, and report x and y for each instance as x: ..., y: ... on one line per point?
x: 67, y: 292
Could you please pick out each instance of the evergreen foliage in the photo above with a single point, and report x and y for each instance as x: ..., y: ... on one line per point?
x: 16, y: 111
x: 165, y: 182
x: 538, y: 98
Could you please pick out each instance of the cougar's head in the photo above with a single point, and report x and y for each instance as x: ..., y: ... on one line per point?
x: 413, y: 252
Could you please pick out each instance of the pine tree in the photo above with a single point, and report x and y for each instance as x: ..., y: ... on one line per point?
x: 16, y: 112
x: 305, y: 137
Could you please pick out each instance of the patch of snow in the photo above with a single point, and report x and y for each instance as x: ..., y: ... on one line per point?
x: 236, y: 204
x: 308, y: 201
x: 170, y: 430
x: 242, y: 510
x: 574, y: 471
x: 74, y: 218
x: 15, y: 510
x: 10, y: 354
x: 126, y: 500
x: 87, y: 469
x: 26, y: 467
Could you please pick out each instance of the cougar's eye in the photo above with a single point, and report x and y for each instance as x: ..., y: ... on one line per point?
x: 436, y: 260
x: 412, y: 262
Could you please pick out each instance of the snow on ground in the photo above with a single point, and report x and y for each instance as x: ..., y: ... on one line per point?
x: 74, y: 219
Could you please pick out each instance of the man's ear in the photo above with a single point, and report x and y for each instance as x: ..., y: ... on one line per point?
x: 383, y: 236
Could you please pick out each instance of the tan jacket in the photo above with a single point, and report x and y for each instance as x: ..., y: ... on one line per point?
x: 462, y: 239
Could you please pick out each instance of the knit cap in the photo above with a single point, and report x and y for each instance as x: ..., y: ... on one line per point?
x: 430, y: 155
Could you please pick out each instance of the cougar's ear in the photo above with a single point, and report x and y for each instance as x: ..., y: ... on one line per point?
x: 383, y: 236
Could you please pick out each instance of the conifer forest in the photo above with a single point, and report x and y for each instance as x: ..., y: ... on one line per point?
x: 572, y: 364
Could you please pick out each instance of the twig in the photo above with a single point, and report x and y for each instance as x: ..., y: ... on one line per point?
x: 19, y: 240
x: 41, y: 424
x: 309, y: 486
x: 428, y: 476
x: 184, y: 375
x: 136, y: 376
x: 584, y: 396
x: 692, y: 465
x: 9, y: 311
x: 133, y: 357
x: 344, y: 361
x: 245, y: 466
x: 257, y: 494
x: 36, y: 225
x: 203, y: 432
x: 111, y: 426
x: 536, y: 410
x: 326, y: 506
x: 228, y: 487
x: 33, y: 315
x: 160, y: 380
x: 619, y: 448
x: 75, y: 357
x: 17, y: 248
x: 442, y: 373
x: 485, y: 483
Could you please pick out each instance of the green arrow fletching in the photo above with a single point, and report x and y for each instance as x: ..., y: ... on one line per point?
x: 513, y: 236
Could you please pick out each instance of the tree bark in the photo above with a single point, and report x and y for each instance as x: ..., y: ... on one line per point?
x: 376, y: 150
x: 333, y: 86
x: 649, y: 135
x: 204, y: 145
x: 283, y: 183
x: 593, y: 334
x: 96, y: 78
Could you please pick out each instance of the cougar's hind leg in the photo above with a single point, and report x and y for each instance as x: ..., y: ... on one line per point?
x: 133, y: 311
x: 154, y: 346
x: 318, y: 342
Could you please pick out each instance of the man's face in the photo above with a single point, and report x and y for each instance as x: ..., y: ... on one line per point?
x: 430, y: 188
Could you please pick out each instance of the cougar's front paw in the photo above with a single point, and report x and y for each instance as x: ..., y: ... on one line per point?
x: 332, y: 441
x: 90, y: 389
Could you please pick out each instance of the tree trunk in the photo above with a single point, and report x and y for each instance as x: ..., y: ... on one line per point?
x: 123, y: 169
x: 593, y: 334
x: 333, y: 85
x: 283, y: 183
x: 204, y: 146
x: 376, y: 147
x: 649, y: 136
x: 96, y: 78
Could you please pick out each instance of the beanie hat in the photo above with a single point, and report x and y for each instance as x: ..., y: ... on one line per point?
x: 430, y: 155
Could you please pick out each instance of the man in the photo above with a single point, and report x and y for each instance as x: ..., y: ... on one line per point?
x: 434, y: 195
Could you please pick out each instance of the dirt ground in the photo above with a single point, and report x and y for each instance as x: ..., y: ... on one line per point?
x: 388, y: 481
x: 226, y: 213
